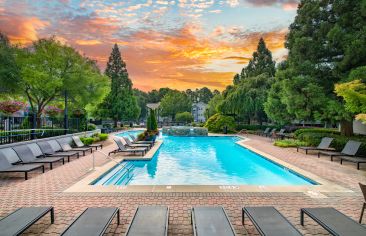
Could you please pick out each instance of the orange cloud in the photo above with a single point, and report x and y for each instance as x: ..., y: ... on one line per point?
x: 21, y: 29
x: 88, y: 42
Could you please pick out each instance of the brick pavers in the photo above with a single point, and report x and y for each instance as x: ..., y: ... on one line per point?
x: 47, y: 189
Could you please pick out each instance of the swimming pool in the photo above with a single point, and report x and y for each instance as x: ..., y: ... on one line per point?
x: 202, y: 161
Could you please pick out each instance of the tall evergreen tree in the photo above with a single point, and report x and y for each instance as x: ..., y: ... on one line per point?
x: 261, y: 62
x: 120, y: 104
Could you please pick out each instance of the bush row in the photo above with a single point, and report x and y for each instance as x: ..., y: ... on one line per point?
x: 95, y: 138
x: 316, y: 130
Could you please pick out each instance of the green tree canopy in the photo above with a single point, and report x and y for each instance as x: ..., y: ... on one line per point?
x: 9, y: 70
x: 185, y: 117
x: 246, y: 99
x: 213, y: 105
x: 324, y: 44
x: 174, y: 102
x: 48, y: 68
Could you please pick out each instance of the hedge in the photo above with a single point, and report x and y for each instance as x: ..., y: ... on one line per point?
x: 316, y: 130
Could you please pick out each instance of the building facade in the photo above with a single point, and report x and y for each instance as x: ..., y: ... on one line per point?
x: 198, y: 111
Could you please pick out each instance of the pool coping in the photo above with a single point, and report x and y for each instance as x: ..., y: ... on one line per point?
x: 312, y: 190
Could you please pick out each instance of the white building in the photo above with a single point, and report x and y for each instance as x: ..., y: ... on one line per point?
x: 198, y: 111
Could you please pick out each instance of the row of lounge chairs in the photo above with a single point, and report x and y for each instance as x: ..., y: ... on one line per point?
x: 29, y: 157
x: 206, y: 221
x: 125, y: 145
x: 348, y: 153
x: 271, y: 133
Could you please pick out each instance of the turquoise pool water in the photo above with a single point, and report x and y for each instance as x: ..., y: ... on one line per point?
x: 202, y: 161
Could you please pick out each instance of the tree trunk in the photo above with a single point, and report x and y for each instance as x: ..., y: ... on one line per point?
x: 115, y: 123
x: 346, y: 128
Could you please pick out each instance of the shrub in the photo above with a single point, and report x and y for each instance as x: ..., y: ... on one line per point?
x: 316, y: 130
x: 9, y: 107
x: 87, y: 140
x: 91, y: 127
x: 185, y: 117
x: 217, y: 122
x: 103, y: 137
x: 289, y: 143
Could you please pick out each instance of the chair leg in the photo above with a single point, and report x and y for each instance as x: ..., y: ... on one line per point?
x: 26, y: 175
x: 362, y: 211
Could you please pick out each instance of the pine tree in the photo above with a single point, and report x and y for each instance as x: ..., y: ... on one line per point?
x: 120, y: 104
x: 261, y: 62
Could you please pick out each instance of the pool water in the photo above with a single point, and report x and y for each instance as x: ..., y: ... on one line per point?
x: 202, y: 161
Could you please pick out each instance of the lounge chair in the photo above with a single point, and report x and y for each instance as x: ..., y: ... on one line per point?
x: 133, y: 145
x: 269, y: 221
x: 335, y: 222
x: 20, y: 220
x: 357, y: 160
x: 211, y: 221
x: 265, y: 132
x: 324, y: 145
x: 53, y: 148
x: 135, y: 140
x: 363, y: 189
x: 271, y: 133
x: 93, y: 221
x: 350, y: 149
x: 79, y: 144
x: 7, y: 167
x: 280, y: 134
x: 149, y: 220
x: 26, y: 156
x: 66, y: 147
x: 122, y: 148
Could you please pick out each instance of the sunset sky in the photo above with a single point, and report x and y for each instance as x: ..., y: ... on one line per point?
x: 166, y: 43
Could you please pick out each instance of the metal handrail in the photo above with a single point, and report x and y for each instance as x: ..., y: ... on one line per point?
x: 109, y: 157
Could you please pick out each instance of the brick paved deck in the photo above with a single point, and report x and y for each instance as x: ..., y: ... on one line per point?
x: 47, y: 189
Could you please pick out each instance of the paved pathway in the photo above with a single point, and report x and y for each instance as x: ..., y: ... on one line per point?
x: 47, y: 189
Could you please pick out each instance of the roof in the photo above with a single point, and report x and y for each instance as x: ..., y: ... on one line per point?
x: 153, y: 106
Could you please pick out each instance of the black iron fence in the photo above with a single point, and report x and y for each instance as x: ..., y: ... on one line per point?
x: 16, y: 129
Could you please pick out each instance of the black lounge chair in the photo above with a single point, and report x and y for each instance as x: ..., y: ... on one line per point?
x: 20, y: 220
x: 281, y: 134
x: 93, y: 221
x: 149, y: 220
x: 65, y: 144
x: 53, y: 149
x: 265, y: 132
x: 211, y: 221
x: 134, y: 145
x: 79, y: 144
x: 135, y: 140
x: 122, y: 148
x: 271, y: 134
x: 268, y: 221
x: 335, y: 222
x: 350, y: 149
x: 357, y: 160
x: 26, y: 156
x: 324, y: 145
x: 363, y: 189
x: 7, y: 167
